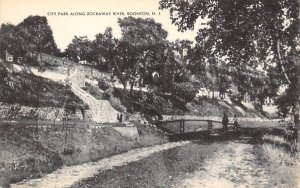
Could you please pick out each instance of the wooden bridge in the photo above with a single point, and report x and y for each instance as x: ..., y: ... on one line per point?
x: 184, y: 126
x: 192, y: 129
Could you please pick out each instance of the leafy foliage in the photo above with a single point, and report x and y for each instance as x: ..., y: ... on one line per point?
x: 185, y: 90
x: 102, y: 84
x: 242, y: 31
x: 29, y: 38
x: 10, y: 41
x: 79, y: 49
x: 36, y: 37
x: 141, y: 47
x: 102, y: 48
x: 105, y: 95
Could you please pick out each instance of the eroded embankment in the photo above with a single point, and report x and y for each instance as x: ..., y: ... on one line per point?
x: 30, y: 153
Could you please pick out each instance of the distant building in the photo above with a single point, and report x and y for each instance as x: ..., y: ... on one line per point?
x: 83, y: 62
x: 204, y: 92
x: 184, y: 52
x: 86, y: 62
x: 269, y: 101
x: 246, y: 98
x: 9, y: 57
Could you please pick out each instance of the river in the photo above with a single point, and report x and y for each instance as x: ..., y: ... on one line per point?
x: 227, y: 163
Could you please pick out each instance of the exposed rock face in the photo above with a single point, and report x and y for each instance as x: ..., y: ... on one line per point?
x: 27, y: 112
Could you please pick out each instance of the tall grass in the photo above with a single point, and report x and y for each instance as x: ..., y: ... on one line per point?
x: 290, y: 144
x: 282, y: 165
x: 274, y: 139
x: 277, y: 154
x: 149, y: 140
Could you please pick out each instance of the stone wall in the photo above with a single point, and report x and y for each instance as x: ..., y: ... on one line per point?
x: 17, y: 112
x: 53, y: 60
x: 27, y: 112
x: 102, y: 111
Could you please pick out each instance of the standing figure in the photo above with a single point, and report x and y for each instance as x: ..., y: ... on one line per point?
x: 121, y: 118
x: 225, y: 121
x: 235, y: 122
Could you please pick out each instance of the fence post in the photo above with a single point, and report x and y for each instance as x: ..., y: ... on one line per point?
x: 180, y: 126
x: 209, y: 125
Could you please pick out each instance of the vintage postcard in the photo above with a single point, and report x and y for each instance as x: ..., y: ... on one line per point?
x: 152, y: 93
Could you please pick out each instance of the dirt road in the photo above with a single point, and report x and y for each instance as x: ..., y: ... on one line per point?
x: 232, y: 166
x: 213, y: 164
x: 198, y: 164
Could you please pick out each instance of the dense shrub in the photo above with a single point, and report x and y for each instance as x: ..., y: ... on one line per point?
x: 285, y: 102
x: 105, y: 95
x: 150, y: 103
x: 117, y: 92
x: 186, y: 91
x: 116, y: 104
x: 93, y: 90
x: 102, y: 84
x: 162, y: 105
x: 179, y: 103
x: 235, y: 96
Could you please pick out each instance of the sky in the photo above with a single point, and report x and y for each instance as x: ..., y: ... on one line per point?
x: 65, y: 27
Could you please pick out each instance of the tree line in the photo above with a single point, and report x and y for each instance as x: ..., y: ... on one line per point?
x: 249, y: 34
x: 247, y: 47
x: 27, y: 39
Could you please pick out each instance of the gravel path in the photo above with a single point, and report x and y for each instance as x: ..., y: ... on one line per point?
x: 231, y: 166
x: 226, y: 164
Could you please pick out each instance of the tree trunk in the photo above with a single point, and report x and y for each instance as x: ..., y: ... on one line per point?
x: 297, y: 104
x: 131, y: 88
x: 120, y: 74
x: 124, y: 85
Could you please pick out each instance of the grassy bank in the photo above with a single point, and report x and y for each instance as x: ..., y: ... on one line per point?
x: 35, y: 91
x: 26, y: 153
x: 22, y: 156
x: 283, y: 166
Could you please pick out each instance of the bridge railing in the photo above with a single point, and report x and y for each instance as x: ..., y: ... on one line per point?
x: 181, y: 126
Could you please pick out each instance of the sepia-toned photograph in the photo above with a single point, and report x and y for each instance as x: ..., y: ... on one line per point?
x: 149, y: 94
